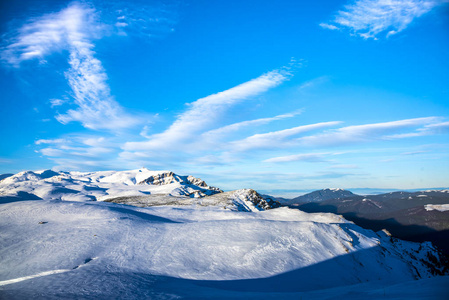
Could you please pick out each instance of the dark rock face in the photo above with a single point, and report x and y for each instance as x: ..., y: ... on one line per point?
x: 263, y: 202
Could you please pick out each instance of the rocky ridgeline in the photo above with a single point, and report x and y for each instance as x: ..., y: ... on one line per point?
x: 170, y: 177
x: 246, y: 200
x: 260, y: 202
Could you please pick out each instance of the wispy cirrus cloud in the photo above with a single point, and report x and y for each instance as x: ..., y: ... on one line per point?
x: 277, y: 139
x: 340, y: 166
x: 369, y: 18
x: 74, y: 29
x: 414, y: 153
x: 81, y: 151
x: 218, y: 148
x: 202, y: 115
x: 219, y: 132
x: 307, y: 157
x: 50, y: 141
x: 367, y: 132
x: 313, y: 83
x: 140, y: 19
x: 97, y: 109
x: 428, y: 129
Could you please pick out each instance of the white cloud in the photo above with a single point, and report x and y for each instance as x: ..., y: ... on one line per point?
x: 277, y: 139
x: 54, y: 141
x: 328, y: 26
x: 237, y: 126
x: 414, y: 152
x: 366, y: 132
x: 437, y: 128
x: 84, y: 152
x: 121, y: 24
x: 429, y: 129
x: 57, y: 102
x: 369, y: 18
x: 205, y: 112
x: 313, y: 83
x: 79, y: 146
x: 96, y: 107
x: 73, y: 29
x: 339, y: 166
x: 144, y: 132
x: 52, y: 152
x: 308, y: 157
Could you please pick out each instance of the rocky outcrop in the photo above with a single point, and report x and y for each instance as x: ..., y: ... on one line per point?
x: 196, y: 181
x: 250, y: 200
x: 170, y: 177
x: 161, y: 179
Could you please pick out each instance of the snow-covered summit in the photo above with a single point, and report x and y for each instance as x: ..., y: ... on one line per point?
x: 83, y: 186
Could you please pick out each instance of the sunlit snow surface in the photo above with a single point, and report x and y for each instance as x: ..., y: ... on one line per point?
x: 53, y: 249
x: 439, y: 207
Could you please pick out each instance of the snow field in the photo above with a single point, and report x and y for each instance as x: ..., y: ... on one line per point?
x: 190, y: 243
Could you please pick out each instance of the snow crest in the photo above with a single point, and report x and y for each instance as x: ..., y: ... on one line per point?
x: 85, y: 186
x: 439, y: 207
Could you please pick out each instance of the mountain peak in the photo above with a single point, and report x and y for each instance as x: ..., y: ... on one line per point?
x: 324, y: 194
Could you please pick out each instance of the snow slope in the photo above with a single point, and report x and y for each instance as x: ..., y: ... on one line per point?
x: 441, y: 207
x: 54, y: 248
x: 239, y: 200
x: 86, y: 241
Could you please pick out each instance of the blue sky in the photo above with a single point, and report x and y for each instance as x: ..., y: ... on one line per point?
x: 244, y: 94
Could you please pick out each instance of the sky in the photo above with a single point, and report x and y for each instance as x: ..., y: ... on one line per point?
x: 269, y: 95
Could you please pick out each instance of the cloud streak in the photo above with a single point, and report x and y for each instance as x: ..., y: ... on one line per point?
x: 73, y: 29
x: 370, y: 18
x: 87, y: 152
x: 367, y: 132
x: 240, y: 125
x: 277, y: 139
x: 429, y: 129
x: 307, y: 157
x: 203, y: 114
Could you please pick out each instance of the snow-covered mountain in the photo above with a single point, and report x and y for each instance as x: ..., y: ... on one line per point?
x: 168, y: 245
x: 84, y: 186
x: 140, y: 187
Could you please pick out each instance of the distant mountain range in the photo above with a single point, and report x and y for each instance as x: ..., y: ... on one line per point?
x: 416, y: 216
x: 293, y: 193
